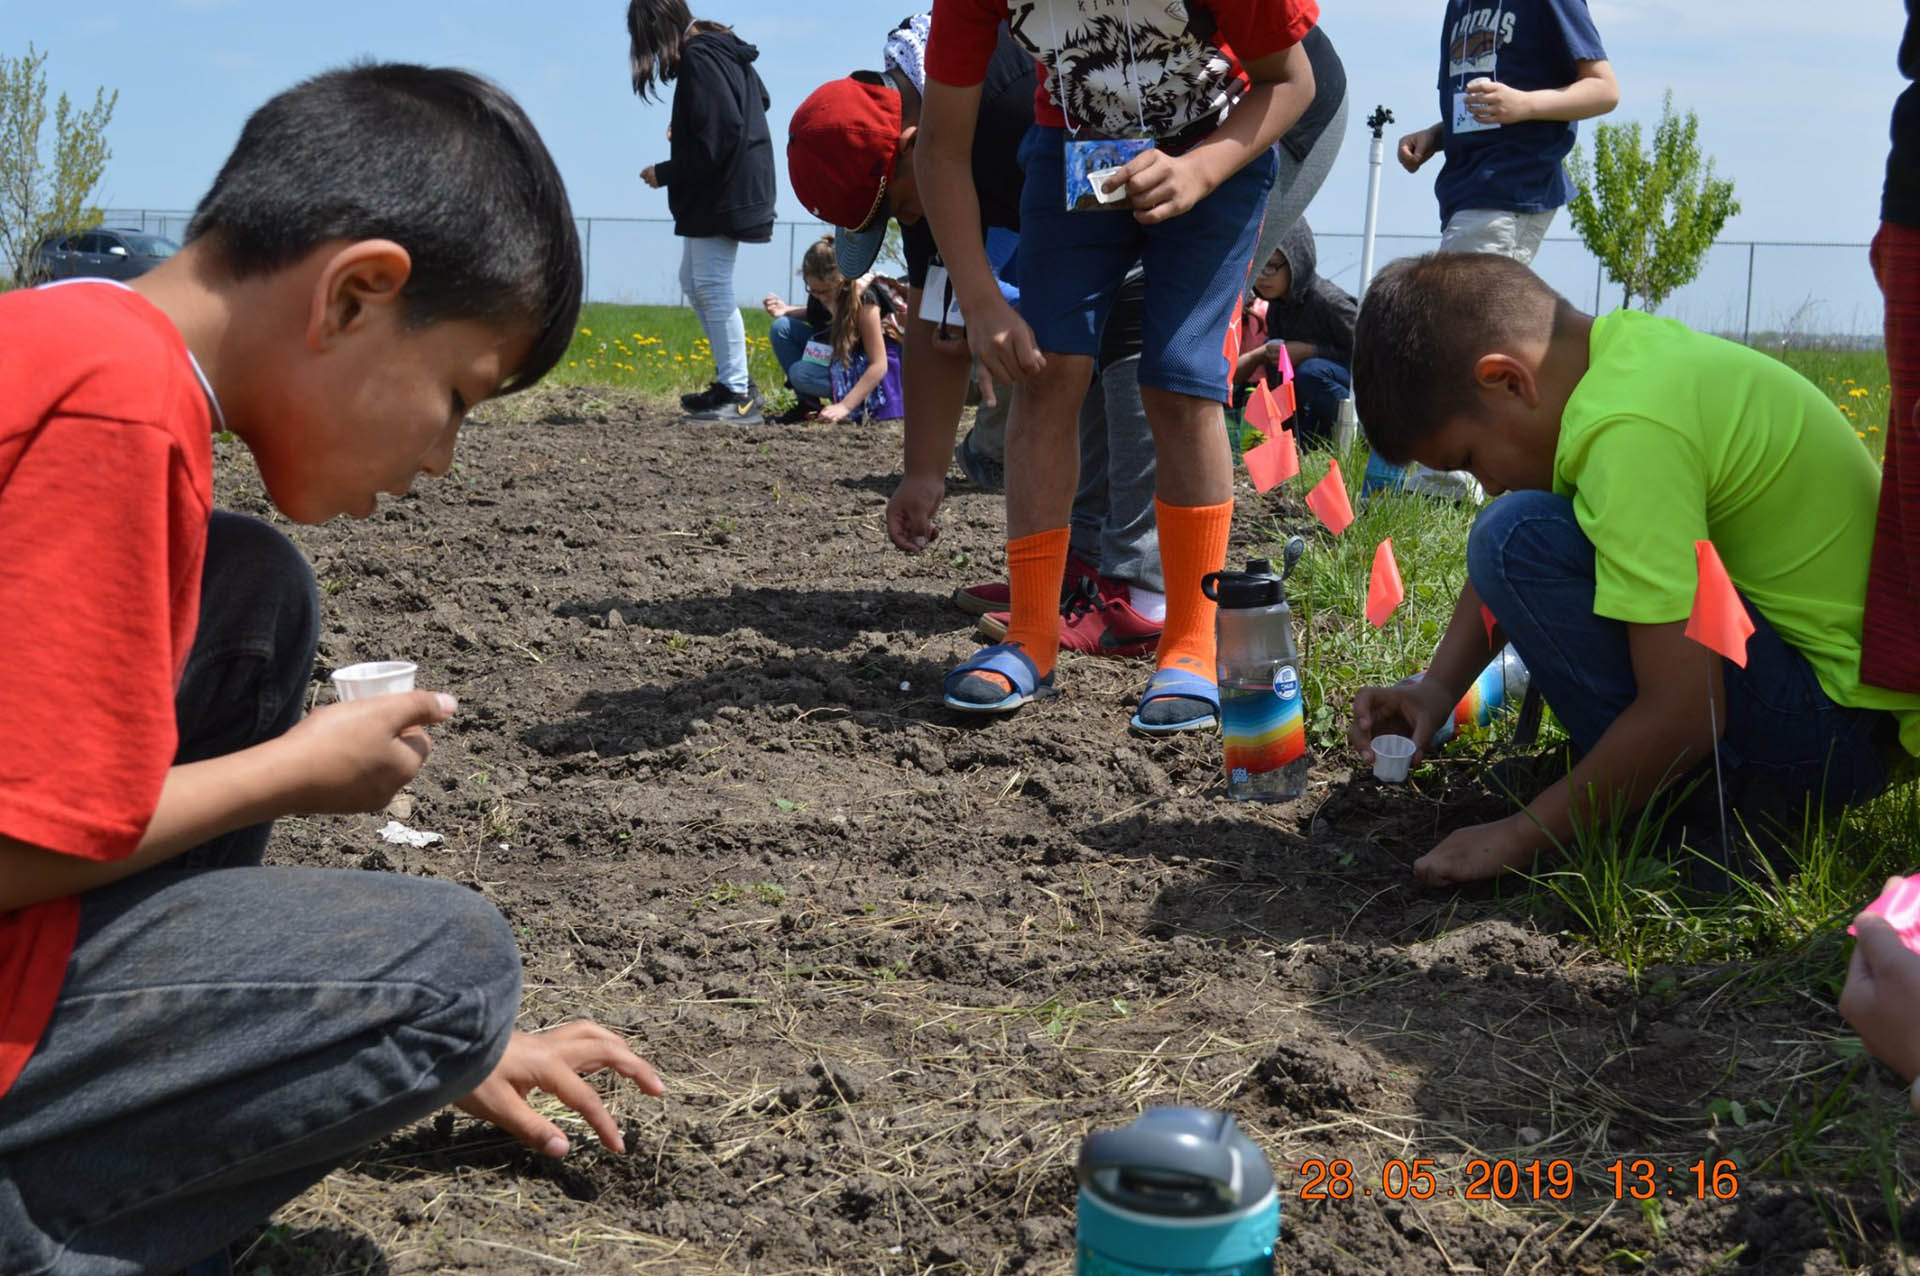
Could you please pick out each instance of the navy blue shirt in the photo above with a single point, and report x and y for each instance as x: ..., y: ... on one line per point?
x: 1528, y: 44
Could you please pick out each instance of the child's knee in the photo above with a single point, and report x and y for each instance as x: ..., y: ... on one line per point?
x: 1503, y: 523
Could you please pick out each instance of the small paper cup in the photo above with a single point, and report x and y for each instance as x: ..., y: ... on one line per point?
x: 1392, y: 755
x: 1098, y: 179
x: 375, y: 678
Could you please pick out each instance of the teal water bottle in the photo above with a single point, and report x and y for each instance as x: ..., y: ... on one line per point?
x: 1180, y: 1192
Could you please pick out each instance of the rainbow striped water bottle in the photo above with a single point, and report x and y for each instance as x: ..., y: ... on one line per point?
x: 1263, y: 719
x: 1498, y: 690
x: 1180, y: 1192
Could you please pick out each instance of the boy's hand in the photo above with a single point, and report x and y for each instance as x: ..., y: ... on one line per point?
x: 1161, y: 186
x: 1004, y: 345
x: 1412, y: 709
x: 355, y: 756
x: 1882, y: 996
x: 1417, y: 148
x: 557, y: 1061
x: 648, y: 176
x: 1481, y: 852
x: 1492, y: 102
x: 910, y: 513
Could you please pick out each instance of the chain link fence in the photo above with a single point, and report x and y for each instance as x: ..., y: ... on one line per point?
x: 1771, y: 291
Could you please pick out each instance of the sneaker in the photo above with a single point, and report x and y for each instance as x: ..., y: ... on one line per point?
x: 997, y: 595
x: 1097, y: 619
x: 798, y: 414
x: 985, y: 473
x: 735, y: 409
x: 706, y: 400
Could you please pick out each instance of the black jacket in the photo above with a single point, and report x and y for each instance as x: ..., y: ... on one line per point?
x: 1900, y: 201
x: 1316, y: 310
x: 720, y: 178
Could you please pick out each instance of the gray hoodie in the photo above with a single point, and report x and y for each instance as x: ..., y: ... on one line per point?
x: 1315, y: 309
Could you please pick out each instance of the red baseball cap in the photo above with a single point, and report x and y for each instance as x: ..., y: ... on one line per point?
x: 842, y: 147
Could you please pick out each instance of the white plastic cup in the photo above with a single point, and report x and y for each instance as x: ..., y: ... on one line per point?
x: 1099, y: 178
x: 374, y: 678
x: 1392, y: 755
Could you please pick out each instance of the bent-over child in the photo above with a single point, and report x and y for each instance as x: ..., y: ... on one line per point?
x: 842, y: 349
x: 191, y: 1039
x: 1620, y: 441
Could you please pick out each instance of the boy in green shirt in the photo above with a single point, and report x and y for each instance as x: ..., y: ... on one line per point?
x: 1622, y: 440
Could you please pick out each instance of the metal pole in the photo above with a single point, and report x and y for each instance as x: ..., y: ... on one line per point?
x: 1378, y: 122
x: 586, y: 263
x: 1596, y: 285
x: 793, y: 245
x: 1746, y: 328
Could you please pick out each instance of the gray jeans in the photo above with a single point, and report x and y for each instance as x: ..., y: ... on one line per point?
x: 228, y: 1033
x: 1113, y: 524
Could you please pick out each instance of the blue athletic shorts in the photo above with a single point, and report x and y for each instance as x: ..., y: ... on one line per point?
x: 1072, y: 264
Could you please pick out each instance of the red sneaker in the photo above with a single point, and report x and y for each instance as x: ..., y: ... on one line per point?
x: 997, y: 595
x: 1097, y: 619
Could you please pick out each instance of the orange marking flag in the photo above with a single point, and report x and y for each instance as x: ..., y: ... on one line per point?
x: 1385, y: 593
x: 1719, y: 620
x: 1487, y: 619
x: 1263, y: 414
x: 1289, y: 401
x: 1328, y: 500
x: 1273, y: 462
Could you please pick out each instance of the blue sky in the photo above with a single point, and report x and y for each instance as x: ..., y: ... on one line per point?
x: 1793, y: 103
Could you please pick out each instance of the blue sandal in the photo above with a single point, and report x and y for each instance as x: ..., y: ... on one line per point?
x: 1164, y: 694
x: 971, y: 694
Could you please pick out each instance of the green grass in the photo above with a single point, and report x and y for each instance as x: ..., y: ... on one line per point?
x: 1856, y: 381
x: 659, y: 350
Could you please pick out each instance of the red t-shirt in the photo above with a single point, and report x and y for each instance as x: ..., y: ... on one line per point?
x: 1158, y: 67
x: 106, y: 484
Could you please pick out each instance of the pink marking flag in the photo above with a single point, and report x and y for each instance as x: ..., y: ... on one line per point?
x: 1900, y: 906
x: 1719, y: 620
x: 1263, y: 413
x: 1289, y: 400
x: 1273, y: 462
x: 1384, y: 590
x: 1328, y: 500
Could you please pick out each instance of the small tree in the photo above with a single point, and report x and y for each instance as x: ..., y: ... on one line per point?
x: 1649, y: 218
x: 38, y: 196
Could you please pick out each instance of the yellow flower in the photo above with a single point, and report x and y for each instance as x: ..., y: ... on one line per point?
x: 1857, y: 394
x: 1873, y: 429
x: 1861, y: 433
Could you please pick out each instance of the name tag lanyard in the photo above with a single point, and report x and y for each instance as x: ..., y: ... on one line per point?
x: 1076, y: 167
x: 1463, y: 118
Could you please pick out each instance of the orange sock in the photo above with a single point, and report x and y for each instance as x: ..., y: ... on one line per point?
x: 1035, y: 566
x: 1193, y: 542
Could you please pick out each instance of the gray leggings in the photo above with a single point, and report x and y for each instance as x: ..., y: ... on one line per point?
x: 1298, y: 182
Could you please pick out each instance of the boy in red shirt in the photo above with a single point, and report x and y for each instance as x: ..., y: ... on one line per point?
x: 188, y: 1039
x: 1175, y: 108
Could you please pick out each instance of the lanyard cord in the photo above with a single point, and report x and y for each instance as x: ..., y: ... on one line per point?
x: 1133, y: 68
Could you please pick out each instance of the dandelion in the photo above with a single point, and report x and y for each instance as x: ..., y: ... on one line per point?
x: 1861, y: 433
x: 1873, y: 429
x: 1858, y: 393
x: 586, y: 332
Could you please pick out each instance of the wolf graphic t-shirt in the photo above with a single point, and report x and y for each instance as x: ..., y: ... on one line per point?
x: 1164, y: 69
x: 1528, y: 44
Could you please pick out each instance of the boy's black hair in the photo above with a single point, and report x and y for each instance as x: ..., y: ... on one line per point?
x: 440, y: 161
x: 1424, y: 323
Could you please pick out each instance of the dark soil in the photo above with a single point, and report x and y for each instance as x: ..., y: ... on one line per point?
x: 893, y: 964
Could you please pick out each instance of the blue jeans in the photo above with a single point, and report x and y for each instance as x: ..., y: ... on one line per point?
x: 227, y: 1033
x: 1786, y: 744
x: 1320, y: 386
x: 789, y: 337
x: 706, y: 276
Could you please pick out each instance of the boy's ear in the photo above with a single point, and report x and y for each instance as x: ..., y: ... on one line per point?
x: 908, y: 136
x: 351, y: 283
x: 1504, y: 374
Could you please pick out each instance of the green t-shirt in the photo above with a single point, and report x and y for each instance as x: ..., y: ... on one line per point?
x: 1674, y: 436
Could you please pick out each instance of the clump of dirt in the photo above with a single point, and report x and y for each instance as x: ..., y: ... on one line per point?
x: 894, y: 965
